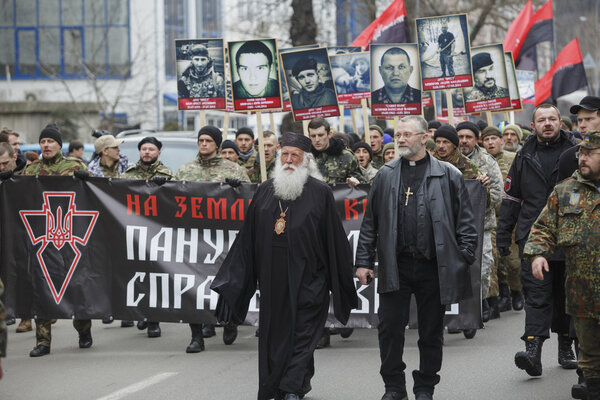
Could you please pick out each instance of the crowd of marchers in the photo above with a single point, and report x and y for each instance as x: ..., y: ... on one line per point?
x: 540, y: 236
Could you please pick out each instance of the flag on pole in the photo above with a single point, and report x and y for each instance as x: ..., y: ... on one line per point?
x: 565, y: 76
x: 389, y: 27
x: 540, y: 30
x: 517, y: 32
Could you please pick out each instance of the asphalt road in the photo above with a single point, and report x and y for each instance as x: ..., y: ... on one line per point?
x: 125, y: 364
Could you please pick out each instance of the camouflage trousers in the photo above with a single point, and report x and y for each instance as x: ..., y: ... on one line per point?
x: 509, y: 269
x: 43, y: 329
x: 487, y: 260
x: 588, y: 333
x: 493, y: 292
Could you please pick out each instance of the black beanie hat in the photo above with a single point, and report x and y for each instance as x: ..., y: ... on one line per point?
x: 244, y: 131
x: 470, y: 126
x: 229, y: 144
x: 213, y: 132
x: 364, y: 145
x: 296, y: 140
x: 481, y: 124
x: 51, y: 131
x: 447, y: 132
x: 433, y: 124
x: 151, y: 140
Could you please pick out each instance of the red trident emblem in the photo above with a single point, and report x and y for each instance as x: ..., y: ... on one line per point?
x: 49, y: 226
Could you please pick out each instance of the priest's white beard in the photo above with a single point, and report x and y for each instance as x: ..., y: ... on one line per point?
x: 289, y: 184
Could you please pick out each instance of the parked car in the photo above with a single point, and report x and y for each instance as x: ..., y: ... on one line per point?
x: 88, y: 150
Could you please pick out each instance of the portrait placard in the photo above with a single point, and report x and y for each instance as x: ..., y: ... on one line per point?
x: 255, y: 76
x: 490, y: 85
x: 310, y: 84
x: 200, y: 66
x: 458, y: 104
x: 395, y: 79
x: 513, y: 87
x: 352, y: 78
x: 444, y: 52
x: 427, y: 99
x: 285, y: 94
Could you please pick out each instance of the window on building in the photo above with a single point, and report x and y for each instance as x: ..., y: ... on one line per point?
x: 207, y: 25
x: 64, y: 38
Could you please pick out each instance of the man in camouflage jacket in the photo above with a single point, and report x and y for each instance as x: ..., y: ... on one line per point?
x: 571, y: 220
x: 336, y: 164
x: 52, y: 162
x: 211, y: 167
x: 509, y: 267
x: 468, y: 134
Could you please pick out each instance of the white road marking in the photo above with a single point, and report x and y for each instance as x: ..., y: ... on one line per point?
x: 136, y: 387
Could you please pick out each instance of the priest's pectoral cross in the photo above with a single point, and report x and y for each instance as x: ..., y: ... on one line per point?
x: 408, y: 193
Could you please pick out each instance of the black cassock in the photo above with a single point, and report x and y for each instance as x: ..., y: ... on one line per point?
x: 295, y: 272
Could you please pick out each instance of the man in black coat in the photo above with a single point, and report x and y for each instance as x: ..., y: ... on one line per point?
x: 420, y: 224
x: 293, y: 244
x: 530, y: 181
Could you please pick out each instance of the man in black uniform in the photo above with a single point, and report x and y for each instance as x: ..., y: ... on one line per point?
x: 446, y: 48
x: 415, y: 255
x: 530, y: 180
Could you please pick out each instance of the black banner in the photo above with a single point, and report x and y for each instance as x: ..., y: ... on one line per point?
x: 135, y: 250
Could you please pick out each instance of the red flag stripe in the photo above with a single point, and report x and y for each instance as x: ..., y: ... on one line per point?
x: 570, y: 55
x: 395, y: 11
x: 515, y: 36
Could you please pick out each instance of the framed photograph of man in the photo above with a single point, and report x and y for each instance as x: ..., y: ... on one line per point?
x: 395, y: 79
x: 200, y: 65
x: 285, y: 94
x: 254, y: 75
x: 513, y: 87
x: 458, y: 104
x: 490, y: 84
x: 444, y: 52
x: 351, y: 77
x: 310, y: 84
x: 427, y: 99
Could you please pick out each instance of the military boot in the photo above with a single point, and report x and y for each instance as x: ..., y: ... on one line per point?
x: 593, y: 386
x: 230, y: 332
x: 566, y: 357
x: 24, y: 326
x: 531, y: 359
x: 579, y: 390
x: 485, y: 310
x: 517, y: 300
x: 85, y: 339
x: 504, y: 298
x: 493, y: 306
x: 154, y: 329
x: 196, y: 345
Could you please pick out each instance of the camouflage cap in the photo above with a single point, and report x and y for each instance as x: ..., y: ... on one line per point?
x: 591, y: 140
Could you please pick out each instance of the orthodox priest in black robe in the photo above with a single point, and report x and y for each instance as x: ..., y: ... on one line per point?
x: 294, y: 246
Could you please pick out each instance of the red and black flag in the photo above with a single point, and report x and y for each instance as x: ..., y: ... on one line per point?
x: 518, y: 30
x: 565, y: 76
x: 389, y: 27
x: 540, y: 30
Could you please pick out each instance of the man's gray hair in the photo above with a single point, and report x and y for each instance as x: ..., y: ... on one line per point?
x: 419, y: 121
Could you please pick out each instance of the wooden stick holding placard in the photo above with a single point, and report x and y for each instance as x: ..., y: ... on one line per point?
x: 363, y: 104
x: 305, y: 123
x: 511, y: 117
x: 488, y: 117
x: 506, y: 116
x: 353, y: 116
x: 341, y: 127
x: 449, y: 107
x: 396, y: 122
x: 225, y: 125
x: 202, y: 118
x: 261, y: 147
x: 272, y: 122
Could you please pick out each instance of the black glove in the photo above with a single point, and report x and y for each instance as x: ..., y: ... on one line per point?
x: 159, y: 180
x: 4, y: 175
x: 82, y: 174
x: 504, y: 251
x: 233, y: 182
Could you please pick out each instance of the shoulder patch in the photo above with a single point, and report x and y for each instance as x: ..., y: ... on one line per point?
x: 507, y: 183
